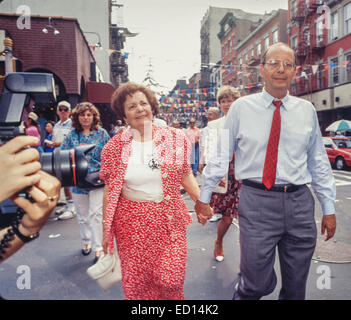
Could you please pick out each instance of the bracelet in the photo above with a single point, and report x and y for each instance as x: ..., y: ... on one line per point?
x: 15, y: 225
x: 24, y: 238
x: 9, y: 236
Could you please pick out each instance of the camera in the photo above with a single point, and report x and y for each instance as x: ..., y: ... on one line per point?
x: 69, y: 166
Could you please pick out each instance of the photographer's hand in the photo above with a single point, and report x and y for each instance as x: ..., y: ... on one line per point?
x: 19, y: 168
x: 45, y: 194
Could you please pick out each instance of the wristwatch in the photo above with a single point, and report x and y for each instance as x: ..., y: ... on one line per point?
x: 24, y: 238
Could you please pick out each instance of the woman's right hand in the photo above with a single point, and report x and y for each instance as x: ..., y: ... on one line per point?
x: 19, y: 168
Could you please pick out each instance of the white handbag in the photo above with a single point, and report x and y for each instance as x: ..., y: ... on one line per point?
x: 107, y: 271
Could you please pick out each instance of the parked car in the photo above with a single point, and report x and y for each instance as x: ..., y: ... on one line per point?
x: 339, y: 151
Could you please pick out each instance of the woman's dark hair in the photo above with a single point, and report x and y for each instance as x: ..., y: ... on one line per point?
x: 35, y: 124
x: 119, y: 97
x: 51, y: 122
x: 81, y: 108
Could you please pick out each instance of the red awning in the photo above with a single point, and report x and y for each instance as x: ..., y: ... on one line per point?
x: 99, y: 92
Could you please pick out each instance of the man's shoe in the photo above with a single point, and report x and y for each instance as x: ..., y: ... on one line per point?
x: 67, y: 215
x: 215, y: 217
x: 61, y: 210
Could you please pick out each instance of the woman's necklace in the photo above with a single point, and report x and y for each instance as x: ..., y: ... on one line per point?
x: 150, y: 157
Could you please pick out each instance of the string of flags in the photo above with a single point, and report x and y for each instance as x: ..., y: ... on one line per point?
x: 242, y: 69
x: 198, y: 100
x: 110, y: 51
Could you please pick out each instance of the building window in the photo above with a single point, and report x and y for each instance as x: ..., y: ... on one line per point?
x: 320, y: 78
x: 293, y: 43
x: 334, y: 30
x: 319, y: 30
x: 275, y: 36
x: 266, y: 43
x: 259, y: 49
x: 348, y: 67
x: 334, y: 64
x: 347, y: 18
x: 293, y: 8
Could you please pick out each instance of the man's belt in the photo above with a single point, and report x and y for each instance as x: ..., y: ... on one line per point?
x: 278, y: 188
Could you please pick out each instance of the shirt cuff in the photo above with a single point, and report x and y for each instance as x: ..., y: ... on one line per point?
x: 205, y: 196
x: 328, y: 208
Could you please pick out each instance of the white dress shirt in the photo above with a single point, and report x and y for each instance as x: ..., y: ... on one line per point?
x: 302, y: 157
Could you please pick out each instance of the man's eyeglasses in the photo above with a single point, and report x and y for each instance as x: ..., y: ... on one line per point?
x: 63, y: 109
x: 275, y: 64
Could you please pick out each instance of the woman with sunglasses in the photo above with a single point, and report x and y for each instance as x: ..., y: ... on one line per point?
x: 88, y: 203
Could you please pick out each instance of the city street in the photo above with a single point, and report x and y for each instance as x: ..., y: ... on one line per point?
x: 58, y: 269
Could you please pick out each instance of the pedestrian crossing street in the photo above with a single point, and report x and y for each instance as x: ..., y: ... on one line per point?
x: 342, y: 178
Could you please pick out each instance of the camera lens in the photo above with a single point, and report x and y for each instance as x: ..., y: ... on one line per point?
x: 69, y: 166
x: 59, y: 164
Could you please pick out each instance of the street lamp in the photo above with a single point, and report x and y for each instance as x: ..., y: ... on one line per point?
x: 50, y: 26
x: 98, y: 44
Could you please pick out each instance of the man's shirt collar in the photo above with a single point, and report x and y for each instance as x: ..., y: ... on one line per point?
x: 268, y: 99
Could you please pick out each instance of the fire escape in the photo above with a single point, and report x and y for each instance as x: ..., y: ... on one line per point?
x: 118, y: 59
x: 310, y: 45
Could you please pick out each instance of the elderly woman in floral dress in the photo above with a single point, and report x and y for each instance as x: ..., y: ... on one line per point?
x: 143, y: 167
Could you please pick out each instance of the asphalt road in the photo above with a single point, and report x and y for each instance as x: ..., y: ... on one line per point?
x: 56, y: 269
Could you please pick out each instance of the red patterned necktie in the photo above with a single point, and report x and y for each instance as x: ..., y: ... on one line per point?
x: 270, y: 163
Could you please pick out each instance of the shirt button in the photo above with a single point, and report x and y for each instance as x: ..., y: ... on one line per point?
x: 167, y: 197
x: 164, y: 175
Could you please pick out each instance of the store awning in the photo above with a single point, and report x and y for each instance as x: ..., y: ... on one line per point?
x: 99, y: 92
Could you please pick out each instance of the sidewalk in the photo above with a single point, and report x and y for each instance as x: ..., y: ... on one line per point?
x: 58, y: 269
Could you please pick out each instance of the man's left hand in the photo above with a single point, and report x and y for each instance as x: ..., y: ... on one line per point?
x: 329, y: 223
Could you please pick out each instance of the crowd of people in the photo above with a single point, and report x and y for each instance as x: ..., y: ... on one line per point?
x: 255, y: 163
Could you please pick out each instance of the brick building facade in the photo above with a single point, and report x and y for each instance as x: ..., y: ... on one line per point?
x: 66, y: 55
x: 320, y: 32
x: 240, y: 60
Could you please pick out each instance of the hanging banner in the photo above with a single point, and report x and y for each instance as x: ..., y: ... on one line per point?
x: 315, y: 68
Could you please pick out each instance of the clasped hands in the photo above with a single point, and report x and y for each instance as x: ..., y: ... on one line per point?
x: 203, y: 212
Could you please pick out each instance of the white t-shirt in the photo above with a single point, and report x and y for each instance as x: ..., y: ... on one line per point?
x: 143, y: 172
x: 61, y: 129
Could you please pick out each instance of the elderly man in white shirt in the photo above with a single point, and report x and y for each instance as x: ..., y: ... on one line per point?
x: 278, y: 151
x: 61, y: 129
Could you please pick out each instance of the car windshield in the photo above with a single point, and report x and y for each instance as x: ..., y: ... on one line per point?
x: 342, y: 143
x: 328, y: 143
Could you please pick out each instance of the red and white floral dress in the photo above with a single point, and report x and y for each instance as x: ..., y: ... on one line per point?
x: 150, y: 236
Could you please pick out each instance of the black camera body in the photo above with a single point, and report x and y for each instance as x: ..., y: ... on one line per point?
x: 69, y: 166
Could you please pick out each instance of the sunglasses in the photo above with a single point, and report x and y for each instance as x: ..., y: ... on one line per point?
x: 88, y: 104
x: 63, y: 109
